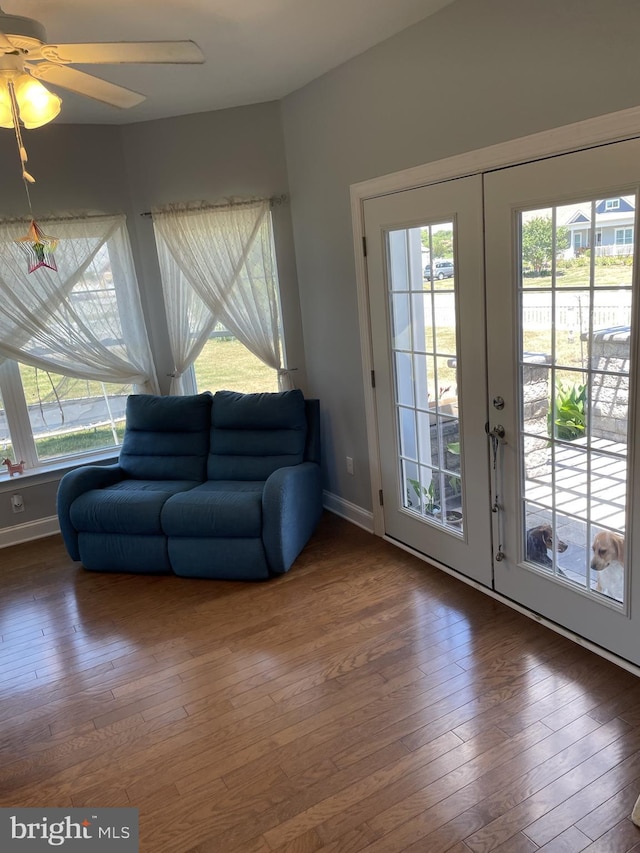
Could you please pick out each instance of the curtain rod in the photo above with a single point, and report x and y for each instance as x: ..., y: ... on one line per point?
x: 51, y: 217
x: 273, y: 200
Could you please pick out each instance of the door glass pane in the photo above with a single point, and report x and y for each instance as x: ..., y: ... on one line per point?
x: 576, y: 269
x: 422, y: 306
x: 614, y: 218
x: 408, y: 433
x: 536, y: 329
x: 401, y: 321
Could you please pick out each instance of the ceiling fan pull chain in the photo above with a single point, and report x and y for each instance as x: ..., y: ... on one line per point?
x: 22, y: 151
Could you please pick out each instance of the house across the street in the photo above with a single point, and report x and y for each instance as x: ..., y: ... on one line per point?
x: 614, y: 226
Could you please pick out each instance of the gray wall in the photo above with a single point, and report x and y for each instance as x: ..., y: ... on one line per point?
x: 129, y: 168
x: 76, y: 168
x: 476, y: 73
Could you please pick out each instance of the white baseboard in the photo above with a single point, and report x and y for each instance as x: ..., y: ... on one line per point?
x: 345, y: 509
x: 29, y: 531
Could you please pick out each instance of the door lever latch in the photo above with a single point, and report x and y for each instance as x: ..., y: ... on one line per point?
x: 497, y: 431
x: 496, y: 434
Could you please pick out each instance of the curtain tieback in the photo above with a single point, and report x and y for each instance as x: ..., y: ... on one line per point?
x: 285, y: 379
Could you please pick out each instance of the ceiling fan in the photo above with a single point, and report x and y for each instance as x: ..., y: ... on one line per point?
x: 25, y: 58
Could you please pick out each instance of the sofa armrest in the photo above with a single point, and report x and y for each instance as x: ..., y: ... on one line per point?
x: 291, y: 509
x: 76, y: 483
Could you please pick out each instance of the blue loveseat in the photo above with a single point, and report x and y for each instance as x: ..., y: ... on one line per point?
x: 223, y: 486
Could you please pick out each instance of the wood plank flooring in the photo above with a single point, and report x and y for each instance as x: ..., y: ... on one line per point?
x: 363, y: 702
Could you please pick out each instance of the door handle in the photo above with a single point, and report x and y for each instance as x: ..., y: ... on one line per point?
x: 497, y: 431
x: 496, y: 434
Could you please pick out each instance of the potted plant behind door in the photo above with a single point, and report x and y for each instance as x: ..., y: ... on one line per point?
x: 427, y: 496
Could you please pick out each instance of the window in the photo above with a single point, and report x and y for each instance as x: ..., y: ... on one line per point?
x: 624, y: 236
x: 577, y: 240
x: 612, y: 204
x: 221, y: 290
x: 74, y: 344
x: 64, y: 416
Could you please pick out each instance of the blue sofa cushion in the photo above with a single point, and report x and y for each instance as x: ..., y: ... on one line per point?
x: 167, y: 438
x: 229, y: 559
x: 252, y: 435
x: 131, y: 506
x: 104, y: 552
x: 216, y: 508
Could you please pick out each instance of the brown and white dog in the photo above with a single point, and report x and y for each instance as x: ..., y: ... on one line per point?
x: 608, y: 562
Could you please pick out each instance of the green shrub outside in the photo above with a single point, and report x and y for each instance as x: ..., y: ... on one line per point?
x: 570, y: 420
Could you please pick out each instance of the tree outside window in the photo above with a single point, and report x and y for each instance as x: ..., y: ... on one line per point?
x: 538, y: 244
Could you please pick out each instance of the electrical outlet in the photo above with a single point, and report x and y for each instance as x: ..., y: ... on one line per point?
x: 17, y: 504
x: 349, y: 465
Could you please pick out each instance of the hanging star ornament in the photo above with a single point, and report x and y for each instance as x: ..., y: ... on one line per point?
x: 38, y: 247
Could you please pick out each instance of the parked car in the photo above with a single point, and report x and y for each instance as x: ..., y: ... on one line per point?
x: 442, y: 269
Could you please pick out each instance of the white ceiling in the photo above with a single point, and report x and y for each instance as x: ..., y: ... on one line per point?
x: 256, y: 50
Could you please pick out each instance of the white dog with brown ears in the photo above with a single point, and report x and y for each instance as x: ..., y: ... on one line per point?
x: 608, y: 562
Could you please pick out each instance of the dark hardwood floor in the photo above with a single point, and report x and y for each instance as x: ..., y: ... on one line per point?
x: 364, y: 701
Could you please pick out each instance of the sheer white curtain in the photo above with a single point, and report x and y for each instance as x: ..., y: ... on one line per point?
x: 83, y: 320
x: 218, y: 264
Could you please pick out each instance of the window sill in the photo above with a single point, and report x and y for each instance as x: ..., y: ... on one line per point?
x: 54, y: 470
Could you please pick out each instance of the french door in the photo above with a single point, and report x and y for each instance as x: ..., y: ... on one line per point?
x: 425, y: 263
x: 561, y: 273
x: 505, y: 436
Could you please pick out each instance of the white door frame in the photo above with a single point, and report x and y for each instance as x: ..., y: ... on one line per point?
x: 613, y: 127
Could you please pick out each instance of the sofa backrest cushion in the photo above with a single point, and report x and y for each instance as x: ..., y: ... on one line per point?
x: 167, y: 438
x: 252, y: 435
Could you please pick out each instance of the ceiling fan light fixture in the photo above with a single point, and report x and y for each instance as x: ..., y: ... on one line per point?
x: 36, y: 104
x: 6, y: 116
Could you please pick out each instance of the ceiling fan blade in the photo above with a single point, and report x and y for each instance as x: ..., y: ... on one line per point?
x: 113, y: 53
x: 86, y: 84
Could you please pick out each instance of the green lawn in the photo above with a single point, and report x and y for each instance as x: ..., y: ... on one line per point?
x: 225, y: 364
x: 609, y: 275
x: 39, y: 387
x: 606, y: 275
x: 97, y: 438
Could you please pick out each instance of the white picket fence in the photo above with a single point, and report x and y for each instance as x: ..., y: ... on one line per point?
x: 570, y: 315
x: 572, y: 319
